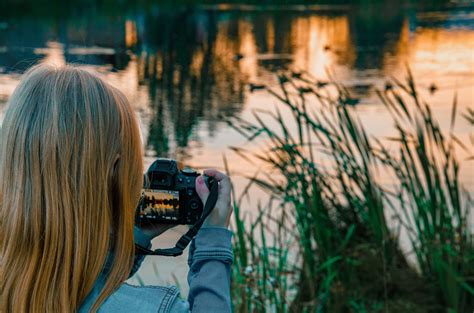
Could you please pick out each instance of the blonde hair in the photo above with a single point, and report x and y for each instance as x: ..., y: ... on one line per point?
x: 70, y: 176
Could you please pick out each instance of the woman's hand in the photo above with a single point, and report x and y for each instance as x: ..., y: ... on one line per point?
x: 220, y: 215
x: 154, y: 230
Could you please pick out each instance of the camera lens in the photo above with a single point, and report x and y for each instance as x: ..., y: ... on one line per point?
x: 194, y: 204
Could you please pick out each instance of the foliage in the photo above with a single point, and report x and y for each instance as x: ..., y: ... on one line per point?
x: 323, y: 244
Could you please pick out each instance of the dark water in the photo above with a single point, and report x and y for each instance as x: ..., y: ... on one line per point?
x: 187, y: 68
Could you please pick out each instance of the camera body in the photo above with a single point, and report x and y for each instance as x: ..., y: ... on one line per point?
x: 169, y: 195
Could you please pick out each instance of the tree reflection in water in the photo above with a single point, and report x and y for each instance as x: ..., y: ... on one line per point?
x: 193, y: 62
x: 191, y: 75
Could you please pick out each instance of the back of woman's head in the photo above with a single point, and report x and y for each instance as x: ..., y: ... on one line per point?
x: 70, y: 177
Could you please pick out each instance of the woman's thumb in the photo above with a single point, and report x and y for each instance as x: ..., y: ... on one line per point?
x: 202, y: 189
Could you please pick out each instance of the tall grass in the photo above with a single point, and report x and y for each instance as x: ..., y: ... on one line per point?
x: 323, y: 244
x: 433, y: 201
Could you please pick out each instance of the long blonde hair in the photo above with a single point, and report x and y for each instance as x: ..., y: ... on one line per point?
x: 70, y: 176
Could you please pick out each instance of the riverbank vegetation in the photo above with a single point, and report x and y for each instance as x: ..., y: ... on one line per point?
x: 330, y: 239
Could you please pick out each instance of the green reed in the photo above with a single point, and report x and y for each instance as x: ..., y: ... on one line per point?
x: 433, y: 199
x: 323, y: 244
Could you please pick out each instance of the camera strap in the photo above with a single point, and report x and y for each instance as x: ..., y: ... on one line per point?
x: 184, y: 241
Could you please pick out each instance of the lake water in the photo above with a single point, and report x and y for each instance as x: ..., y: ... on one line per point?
x: 186, y: 69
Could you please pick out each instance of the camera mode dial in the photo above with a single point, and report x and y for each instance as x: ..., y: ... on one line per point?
x: 189, y: 172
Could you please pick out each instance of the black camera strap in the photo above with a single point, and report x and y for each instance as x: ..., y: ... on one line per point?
x: 184, y: 241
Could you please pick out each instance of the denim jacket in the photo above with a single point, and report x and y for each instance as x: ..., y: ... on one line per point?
x: 210, y: 259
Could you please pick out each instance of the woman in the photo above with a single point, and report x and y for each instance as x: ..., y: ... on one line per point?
x: 70, y: 178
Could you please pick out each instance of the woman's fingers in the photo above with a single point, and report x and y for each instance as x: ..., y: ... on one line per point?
x: 224, y: 180
x: 220, y: 216
x: 216, y: 174
x: 202, y: 189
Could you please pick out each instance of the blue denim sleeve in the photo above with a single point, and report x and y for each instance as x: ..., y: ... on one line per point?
x: 210, y: 259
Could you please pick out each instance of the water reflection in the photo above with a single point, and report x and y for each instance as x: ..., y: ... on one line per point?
x: 187, y: 68
x: 184, y: 59
x: 375, y: 31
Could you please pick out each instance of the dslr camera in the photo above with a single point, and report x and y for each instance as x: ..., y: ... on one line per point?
x: 169, y: 195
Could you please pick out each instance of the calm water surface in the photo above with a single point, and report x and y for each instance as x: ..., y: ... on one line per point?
x: 185, y: 70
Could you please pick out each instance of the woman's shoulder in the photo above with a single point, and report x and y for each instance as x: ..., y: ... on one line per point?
x: 142, y: 298
x: 130, y: 298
